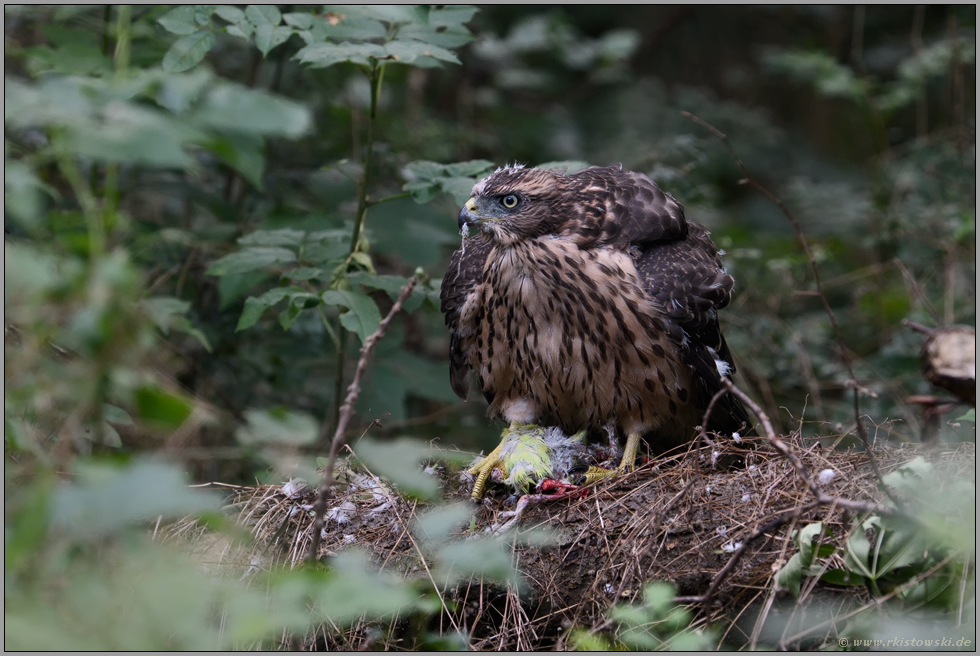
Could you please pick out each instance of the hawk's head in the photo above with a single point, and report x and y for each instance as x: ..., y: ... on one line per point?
x: 515, y: 203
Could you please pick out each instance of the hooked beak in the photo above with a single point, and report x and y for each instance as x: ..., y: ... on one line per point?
x: 467, y: 215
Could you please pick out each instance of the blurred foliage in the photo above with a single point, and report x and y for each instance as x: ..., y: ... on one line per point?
x: 658, y: 624
x: 203, y: 201
x: 919, y: 566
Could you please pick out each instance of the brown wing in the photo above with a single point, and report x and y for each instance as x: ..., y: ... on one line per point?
x: 622, y: 208
x: 688, y: 279
x: 461, y: 281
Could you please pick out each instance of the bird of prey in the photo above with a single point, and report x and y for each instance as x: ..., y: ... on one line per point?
x: 588, y: 302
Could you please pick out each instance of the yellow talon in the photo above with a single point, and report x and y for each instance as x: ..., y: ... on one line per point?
x: 483, y: 469
x: 521, y: 450
x: 626, y: 465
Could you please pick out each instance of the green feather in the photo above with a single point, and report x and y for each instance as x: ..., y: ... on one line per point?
x: 526, y: 458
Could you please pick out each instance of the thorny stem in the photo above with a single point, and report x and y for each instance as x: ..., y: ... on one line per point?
x: 801, y: 236
x: 375, y: 76
x: 347, y: 412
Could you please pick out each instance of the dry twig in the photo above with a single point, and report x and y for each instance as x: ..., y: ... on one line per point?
x: 347, y: 412
x: 801, y: 236
x: 820, y: 498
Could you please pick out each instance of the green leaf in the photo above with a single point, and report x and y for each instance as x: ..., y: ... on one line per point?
x: 229, y: 107
x: 322, y: 55
x: 162, y: 309
x: 468, y: 169
x: 103, y: 499
x: 395, y: 14
x: 364, y: 260
x: 72, y: 52
x: 250, y: 259
x: 354, y: 588
x: 396, y: 374
x: 451, y: 37
x: 487, y: 558
x: 163, y: 409
x: 819, y: 69
x: 970, y: 415
x: 326, y: 245
x: 362, y: 316
x: 568, y: 166
x: 256, y: 305
x: 243, y: 152
x: 277, y: 426
x: 297, y: 303
x: 260, y: 15
x: 233, y: 287
x: 459, y: 188
x: 168, y: 313
x: 900, y: 548
x: 791, y: 575
x: 422, y: 192
x: 910, y: 478
x: 251, y: 313
x: 858, y: 553
x: 27, y: 513
x: 392, y: 285
x: 188, y: 51
x: 426, y: 179
x: 116, y: 415
x: 179, y: 92
x: 842, y: 577
x: 451, y: 16
x: 435, y: 526
x: 230, y: 13
x: 202, y: 14
x: 804, y: 539
x: 399, y: 461
x: 129, y: 133
x: 267, y: 38
x: 305, y: 273
x: 242, y: 30
x: 22, y: 192
x: 301, y: 21
x: 335, y: 27
x: 409, y: 51
x: 179, y: 20
x: 281, y: 237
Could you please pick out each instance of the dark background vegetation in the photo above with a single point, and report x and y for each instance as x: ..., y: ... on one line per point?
x: 121, y: 328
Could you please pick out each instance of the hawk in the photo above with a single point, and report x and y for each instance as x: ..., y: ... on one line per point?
x: 588, y: 302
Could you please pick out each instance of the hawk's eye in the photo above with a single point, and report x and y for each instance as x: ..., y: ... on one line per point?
x: 509, y: 201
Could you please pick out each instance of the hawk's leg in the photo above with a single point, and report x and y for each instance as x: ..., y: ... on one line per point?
x: 483, y: 469
x: 593, y: 474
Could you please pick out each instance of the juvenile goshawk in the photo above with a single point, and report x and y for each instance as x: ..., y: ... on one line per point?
x: 588, y: 302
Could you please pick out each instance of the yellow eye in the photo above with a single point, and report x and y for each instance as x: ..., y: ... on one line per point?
x: 509, y: 201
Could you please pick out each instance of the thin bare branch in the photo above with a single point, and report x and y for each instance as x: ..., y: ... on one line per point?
x: 347, y: 412
x: 801, y: 236
x: 819, y: 498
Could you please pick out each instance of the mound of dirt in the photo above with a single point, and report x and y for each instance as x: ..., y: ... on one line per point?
x: 713, y: 521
